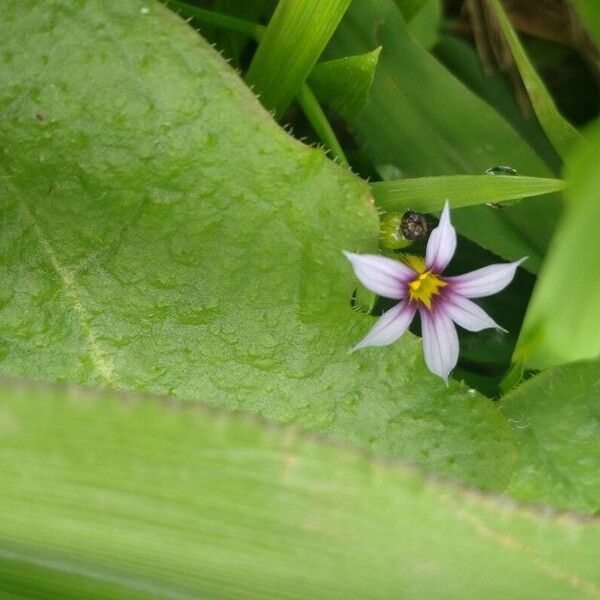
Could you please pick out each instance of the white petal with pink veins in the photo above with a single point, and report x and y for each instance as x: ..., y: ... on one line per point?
x: 484, y: 282
x: 383, y: 276
x: 441, y: 244
x: 440, y: 342
x: 390, y: 326
x: 466, y: 314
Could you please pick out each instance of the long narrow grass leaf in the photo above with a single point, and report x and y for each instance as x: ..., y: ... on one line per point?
x: 295, y: 38
x: 428, y: 194
x: 589, y: 13
x: 562, y: 135
x: 562, y: 323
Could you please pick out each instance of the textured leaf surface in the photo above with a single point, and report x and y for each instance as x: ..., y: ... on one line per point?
x: 160, y: 232
x: 424, y: 122
x: 556, y: 417
x: 563, y: 320
x: 107, y: 497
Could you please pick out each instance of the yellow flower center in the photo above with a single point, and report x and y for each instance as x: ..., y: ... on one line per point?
x: 426, y: 285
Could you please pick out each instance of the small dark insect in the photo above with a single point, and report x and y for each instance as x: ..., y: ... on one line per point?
x: 39, y: 117
x: 414, y: 226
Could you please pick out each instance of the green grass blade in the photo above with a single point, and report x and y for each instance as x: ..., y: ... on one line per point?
x: 562, y: 323
x: 425, y: 25
x: 462, y: 60
x: 590, y: 15
x: 106, y: 497
x: 344, y: 83
x: 296, y: 36
x: 562, y: 135
x: 428, y: 194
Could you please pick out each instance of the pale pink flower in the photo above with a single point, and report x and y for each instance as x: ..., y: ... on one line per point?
x: 441, y: 301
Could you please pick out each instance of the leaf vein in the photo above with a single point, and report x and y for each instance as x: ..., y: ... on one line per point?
x: 98, y: 357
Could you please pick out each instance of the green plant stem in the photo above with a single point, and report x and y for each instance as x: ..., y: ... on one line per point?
x: 252, y: 30
x: 315, y: 115
x: 307, y: 100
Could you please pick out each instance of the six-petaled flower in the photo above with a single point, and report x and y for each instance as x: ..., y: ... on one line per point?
x: 442, y: 301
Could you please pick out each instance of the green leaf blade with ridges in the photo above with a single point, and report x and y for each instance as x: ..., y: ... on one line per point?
x: 428, y: 194
x: 106, y: 496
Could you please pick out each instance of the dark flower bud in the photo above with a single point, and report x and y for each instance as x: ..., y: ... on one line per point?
x: 399, y: 230
x: 414, y: 226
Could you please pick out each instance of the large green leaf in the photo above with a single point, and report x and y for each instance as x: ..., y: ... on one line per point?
x: 160, y: 232
x: 556, y: 417
x: 424, y: 122
x: 109, y: 497
x: 563, y: 320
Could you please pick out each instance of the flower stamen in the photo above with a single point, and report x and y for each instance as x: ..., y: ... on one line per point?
x: 424, y: 287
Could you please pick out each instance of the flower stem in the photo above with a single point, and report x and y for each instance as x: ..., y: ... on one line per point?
x: 315, y: 115
x: 252, y: 30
